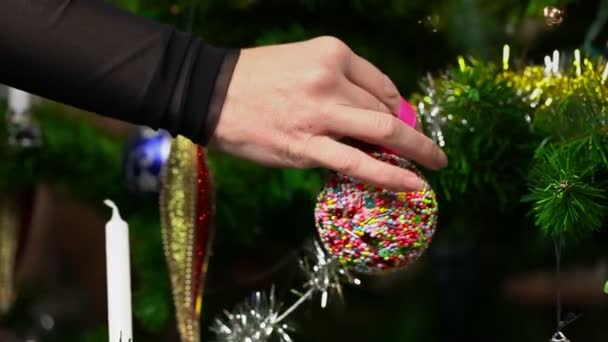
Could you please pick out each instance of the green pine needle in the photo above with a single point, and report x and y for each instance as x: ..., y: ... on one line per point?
x: 566, y: 200
x: 488, y: 142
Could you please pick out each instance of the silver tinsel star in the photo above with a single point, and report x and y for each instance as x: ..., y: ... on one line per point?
x: 324, y: 275
x: 260, y: 320
x: 559, y: 337
x: 430, y: 114
x: 256, y: 320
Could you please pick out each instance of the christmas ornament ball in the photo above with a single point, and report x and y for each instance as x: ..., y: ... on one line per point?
x: 372, y: 230
x: 146, y: 154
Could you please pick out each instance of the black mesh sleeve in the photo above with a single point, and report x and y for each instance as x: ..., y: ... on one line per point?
x: 90, y: 55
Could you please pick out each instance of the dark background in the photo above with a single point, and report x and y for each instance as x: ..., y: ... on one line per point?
x: 488, y: 275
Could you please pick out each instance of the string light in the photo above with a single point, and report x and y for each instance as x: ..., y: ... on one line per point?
x: 577, y: 61
x: 548, y: 65
x: 505, y: 57
x: 555, y: 62
x: 461, y: 63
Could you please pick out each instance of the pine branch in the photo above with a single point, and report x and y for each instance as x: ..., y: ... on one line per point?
x: 496, y: 122
x: 487, y: 139
x: 566, y: 200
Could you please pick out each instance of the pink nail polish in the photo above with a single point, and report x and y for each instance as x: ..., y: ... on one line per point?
x: 407, y: 113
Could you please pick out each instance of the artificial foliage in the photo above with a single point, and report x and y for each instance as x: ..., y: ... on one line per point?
x: 567, y: 200
x: 505, y: 130
x: 466, y: 109
x: 568, y: 177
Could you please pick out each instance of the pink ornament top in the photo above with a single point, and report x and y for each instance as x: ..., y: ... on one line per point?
x: 407, y: 114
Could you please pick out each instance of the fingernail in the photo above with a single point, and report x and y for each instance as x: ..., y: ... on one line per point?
x: 391, y: 91
x: 416, y: 184
x: 389, y: 86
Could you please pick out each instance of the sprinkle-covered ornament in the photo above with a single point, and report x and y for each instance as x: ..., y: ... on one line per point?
x: 370, y: 229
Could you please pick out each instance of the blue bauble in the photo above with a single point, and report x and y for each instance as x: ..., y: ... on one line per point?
x: 146, y: 155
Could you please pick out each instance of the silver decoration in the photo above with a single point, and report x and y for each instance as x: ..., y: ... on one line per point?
x: 256, y: 320
x: 559, y: 337
x: 433, y: 122
x: 430, y: 114
x: 325, y: 274
x: 22, y: 131
x: 259, y: 320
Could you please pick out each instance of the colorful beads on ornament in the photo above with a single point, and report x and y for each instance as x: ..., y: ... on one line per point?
x: 370, y: 229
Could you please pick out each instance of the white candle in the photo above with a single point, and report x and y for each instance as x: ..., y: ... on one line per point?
x: 19, y: 102
x: 118, y: 270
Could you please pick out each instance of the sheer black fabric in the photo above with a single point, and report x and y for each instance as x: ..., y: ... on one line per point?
x: 90, y: 55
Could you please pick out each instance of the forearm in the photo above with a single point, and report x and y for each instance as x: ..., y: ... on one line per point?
x: 90, y: 55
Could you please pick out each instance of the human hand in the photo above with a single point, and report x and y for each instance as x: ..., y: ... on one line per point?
x: 288, y: 105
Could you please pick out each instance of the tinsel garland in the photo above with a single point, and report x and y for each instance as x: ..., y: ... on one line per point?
x: 262, y: 317
x: 561, y: 111
x: 494, y: 121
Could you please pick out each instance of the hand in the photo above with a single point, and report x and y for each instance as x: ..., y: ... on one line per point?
x: 288, y: 105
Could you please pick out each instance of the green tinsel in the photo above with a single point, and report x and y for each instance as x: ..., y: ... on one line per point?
x: 507, y: 130
x: 487, y: 140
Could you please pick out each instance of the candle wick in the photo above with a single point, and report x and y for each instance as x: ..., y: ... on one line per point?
x: 115, y: 212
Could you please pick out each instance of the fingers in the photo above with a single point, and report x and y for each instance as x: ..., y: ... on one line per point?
x: 367, y: 76
x: 387, y: 131
x: 357, y: 164
x: 360, y: 98
x: 419, y: 126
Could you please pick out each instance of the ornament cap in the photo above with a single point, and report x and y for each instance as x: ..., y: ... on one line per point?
x: 407, y: 113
